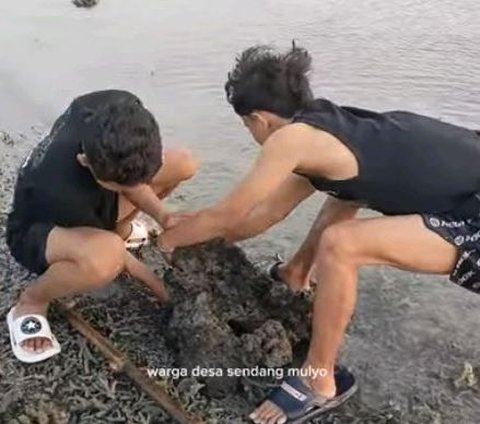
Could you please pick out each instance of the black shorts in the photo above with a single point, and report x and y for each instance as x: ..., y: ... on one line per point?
x: 28, y: 245
x: 464, y: 234
x: 53, y: 189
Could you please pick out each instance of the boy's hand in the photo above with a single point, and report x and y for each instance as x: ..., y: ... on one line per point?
x: 166, y: 251
x: 140, y: 271
x: 144, y: 198
x: 171, y: 221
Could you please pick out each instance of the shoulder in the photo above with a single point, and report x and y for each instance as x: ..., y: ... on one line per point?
x: 295, y: 134
x: 294, y: 143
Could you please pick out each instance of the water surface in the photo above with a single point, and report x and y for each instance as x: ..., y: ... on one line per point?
x: 402, y: 54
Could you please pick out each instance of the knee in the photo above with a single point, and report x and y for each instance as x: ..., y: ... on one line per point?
x: 337, y: 244
x: 104, y: 257
x: 188, y: 165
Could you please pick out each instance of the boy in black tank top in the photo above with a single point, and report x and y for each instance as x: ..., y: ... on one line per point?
x: 420, y: 173
x: 75, y: 197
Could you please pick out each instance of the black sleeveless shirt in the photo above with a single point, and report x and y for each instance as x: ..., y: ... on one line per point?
x: 408, y: 163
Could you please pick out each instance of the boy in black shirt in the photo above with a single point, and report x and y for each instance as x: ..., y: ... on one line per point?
x: 75, y: 198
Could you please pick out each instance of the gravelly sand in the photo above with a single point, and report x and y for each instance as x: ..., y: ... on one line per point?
x: 408, y: 343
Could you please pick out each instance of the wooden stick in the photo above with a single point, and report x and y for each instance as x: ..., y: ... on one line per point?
x: 121, y: 363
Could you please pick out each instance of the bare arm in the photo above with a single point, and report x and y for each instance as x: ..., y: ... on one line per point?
x: 279, y: 157
x: 142, y: 272
x: 294, y: 190
x: 179, y: 166
x: 145, y: 199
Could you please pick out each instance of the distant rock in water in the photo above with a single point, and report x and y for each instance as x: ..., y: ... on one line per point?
x: 85, y: 3
x: 6, y: 139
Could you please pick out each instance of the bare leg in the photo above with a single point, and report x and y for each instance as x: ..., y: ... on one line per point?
x: 297, y: 272
x: 81, y: 259
x: 403, y: 242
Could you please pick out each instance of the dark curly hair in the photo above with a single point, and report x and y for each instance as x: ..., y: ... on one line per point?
x: 263, y: 79
x: 119, y: 136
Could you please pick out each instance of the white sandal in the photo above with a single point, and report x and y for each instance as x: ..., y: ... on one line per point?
x: 27, y: 327
x: 138, y: 237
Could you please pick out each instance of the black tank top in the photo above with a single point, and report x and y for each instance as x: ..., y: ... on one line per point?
x: 408, y: 163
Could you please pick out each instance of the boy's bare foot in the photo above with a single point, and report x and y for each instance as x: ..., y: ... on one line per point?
x: 26, y: 307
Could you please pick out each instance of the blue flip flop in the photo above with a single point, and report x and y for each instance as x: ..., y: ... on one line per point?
x: 273, y: 272
x: 300, y: 404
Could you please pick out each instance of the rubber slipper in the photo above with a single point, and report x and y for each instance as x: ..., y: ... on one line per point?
x: 138, y: 237
x: 27, y: 327
x: 300, y: 403
x: 273, y: 272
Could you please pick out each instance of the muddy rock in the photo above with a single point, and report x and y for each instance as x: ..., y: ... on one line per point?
x: 6, y: 139
x: 202, y: 341
x: 268, y: 345
x: 226, y: 317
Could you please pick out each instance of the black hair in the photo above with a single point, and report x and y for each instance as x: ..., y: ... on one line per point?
x: 263, y: 79
x: 120, y: 137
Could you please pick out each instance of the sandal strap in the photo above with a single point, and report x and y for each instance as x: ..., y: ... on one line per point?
x: 273, y: 272
x: 31, y: 326
x: 295, y: 398
x: 138, y: 235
